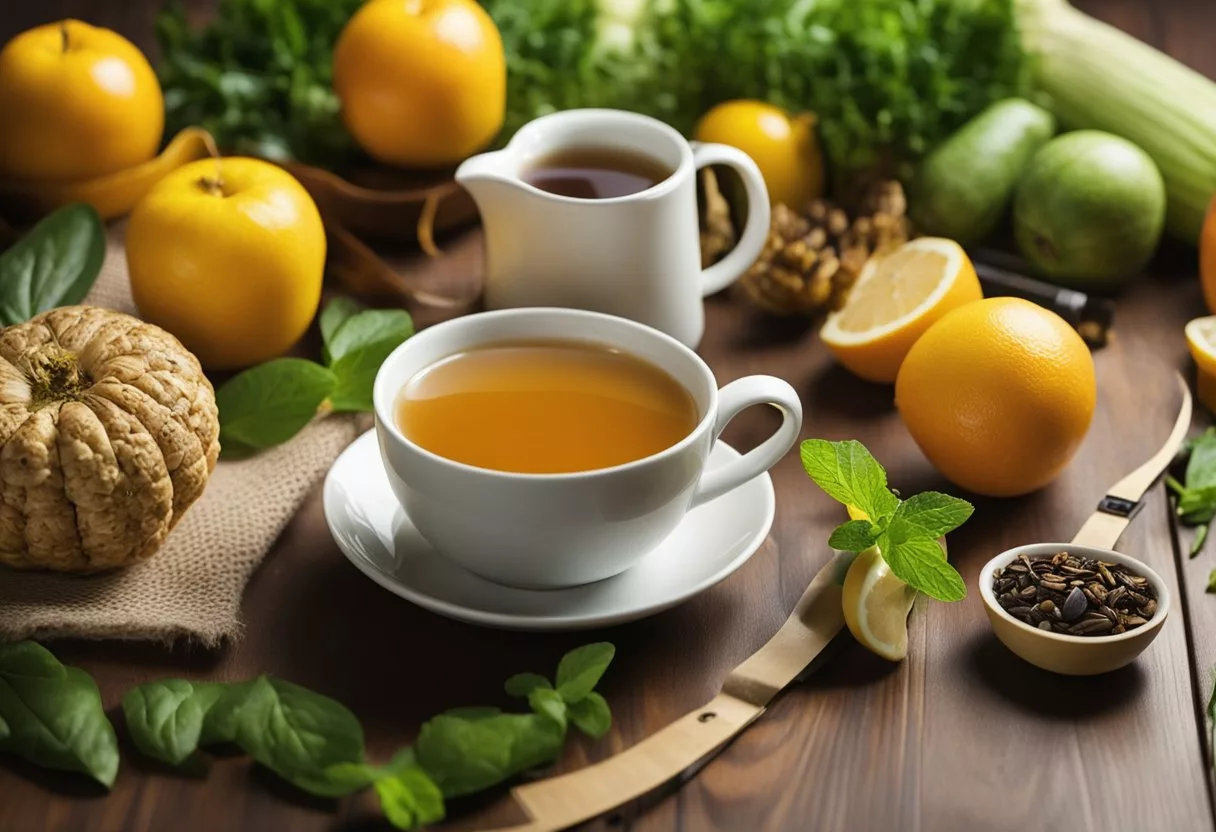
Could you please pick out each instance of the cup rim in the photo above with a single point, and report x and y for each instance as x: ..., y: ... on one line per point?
x: 384, y: 399
x: 655, y: 191
x: 1164, y: 600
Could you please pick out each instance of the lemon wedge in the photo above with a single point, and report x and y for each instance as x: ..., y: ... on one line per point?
x: 1201, y: 339
x: 896, y: 298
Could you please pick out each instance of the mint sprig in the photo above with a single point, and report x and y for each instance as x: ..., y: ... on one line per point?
x: 905, y: 531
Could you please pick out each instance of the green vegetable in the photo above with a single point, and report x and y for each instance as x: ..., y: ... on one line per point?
x: 905, y: 531
x: 1101, y: 78
x: 591, y: 715
x: 55, y: 264
x: 580, y: 670
x: 410, y: 799
x: 962, y: 188
x: 52, y: 715
x: 1195, y: 502
x: 259, y: 77
x: 272, y: 402
x: 165, y: 719
x: 1211, y: 580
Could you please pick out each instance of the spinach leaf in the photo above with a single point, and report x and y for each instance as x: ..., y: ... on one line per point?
x: 53, y: 714
x: 465, y: 756
x: 165, y: 719
x: 581, y: 668
x: 591, y: 715
x: 55, y: 264
x: 270, y: 403
x: 298, y: 734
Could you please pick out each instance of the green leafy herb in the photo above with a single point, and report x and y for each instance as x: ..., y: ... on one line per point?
x: 591, y: 715
x: 335, y: 313
x: 522, y: 684
x: 52, y: 714
x: 410, y: 799
x: 905, y: 531
x: 580, y: 670
x: 270, y: 403
x: 358, y: 347
x: 1212, y: 581
x: 165, y: 719
x: 55, y: 264
x: 1195, y: 502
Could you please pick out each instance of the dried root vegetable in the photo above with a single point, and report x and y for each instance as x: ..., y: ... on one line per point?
x: 108, y: 432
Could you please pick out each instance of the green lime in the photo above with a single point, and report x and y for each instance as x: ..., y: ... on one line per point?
x: 1089, y: 210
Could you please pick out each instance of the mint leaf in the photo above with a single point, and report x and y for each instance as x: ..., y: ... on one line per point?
x: 854, y: 536
x: 1197, y: 505
x: 410, y: 799
x: 1201, y: 467
x: 591, y: 715
x: 522, y: 684
x: 581, y: 668
x: 849, y: 475
x: 919, y: 563
x: 270, y: 403
x: 356, y: 376
x: 931, y: 514
x: 335, y: 313
x: 363, y: 329
x: 55, y: 264
x: 548, y: 702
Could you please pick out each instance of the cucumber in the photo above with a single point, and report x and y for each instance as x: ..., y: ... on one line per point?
x: 962, y: 188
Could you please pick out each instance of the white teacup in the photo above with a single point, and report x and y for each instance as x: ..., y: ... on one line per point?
x: 559, y: 530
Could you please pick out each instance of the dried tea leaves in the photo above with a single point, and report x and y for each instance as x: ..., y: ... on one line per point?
x: 1075, y: 596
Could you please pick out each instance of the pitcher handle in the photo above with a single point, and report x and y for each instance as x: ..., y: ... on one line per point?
x: 727, y: 270
x: 732, y: 400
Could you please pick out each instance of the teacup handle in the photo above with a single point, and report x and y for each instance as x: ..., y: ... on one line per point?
x: 732, y: 400
x: 727, y: 270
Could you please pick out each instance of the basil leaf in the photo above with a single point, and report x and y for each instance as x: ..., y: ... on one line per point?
x: 522, y: 684
x: 222, y: 718
x: 363, y: 329
x: 854, y: 536
x: 1201, y: 467
x: 298, y: 734
x: 410, y: 799
x: 352, y: 777
x: 591, y: 715
x: 919, y: 563
x: 270, y: 403
x: 473, y: 712
x: 581, y: 668
x: 465, y: 756
x: 165, y: 719
x: 335, y: 313
x: 548, y: 703
x: 53, y: 714
x: 850, y: 475
x: 931, y: 514
x: 55, y: 264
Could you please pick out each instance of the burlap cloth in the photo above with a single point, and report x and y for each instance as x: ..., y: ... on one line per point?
x: 192, y: 587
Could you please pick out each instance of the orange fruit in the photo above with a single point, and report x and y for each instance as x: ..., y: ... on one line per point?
x: 998, y: 394
x: 78, y: 102
x: 784, y: 147
x: 1207, y: 258
x: 423, y: 83
x: 896, y: 298
x: 228, y: 255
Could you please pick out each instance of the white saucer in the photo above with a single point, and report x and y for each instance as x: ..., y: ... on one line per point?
x: 373, y: 532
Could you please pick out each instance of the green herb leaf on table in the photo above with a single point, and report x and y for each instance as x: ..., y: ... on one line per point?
x: 270, y: 403
x: 165, y: 719
x: 368, y: 328
x: 55, y: 264
x: 522, y: 684
x: 579, y: 671
x: 464, y: 756
x: 548, y: 702
x: 53, y: 714
x: 358, y: 348
x: 854, y: 536
x: 906, y: 532
x: 335, y: 313
x: 1212, y: 581
x: 591, y: 715
x: 1195, y: 502
x: 410, y: 799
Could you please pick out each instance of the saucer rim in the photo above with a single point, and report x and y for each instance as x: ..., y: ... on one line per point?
x: 549, y: 623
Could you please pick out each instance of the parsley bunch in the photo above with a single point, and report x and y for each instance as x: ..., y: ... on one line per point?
x: 905, y: 531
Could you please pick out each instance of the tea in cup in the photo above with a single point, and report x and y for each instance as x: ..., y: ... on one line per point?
x: 548, y: 448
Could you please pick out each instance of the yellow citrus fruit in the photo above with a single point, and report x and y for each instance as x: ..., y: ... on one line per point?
x: 876, y: 605
x: 1201, y: 339
x: 784, y: 147
x: 77, y: 102
x: 998, y: 394
x: 228, y: 255
x: 896, y: 298
x: 423, y: 83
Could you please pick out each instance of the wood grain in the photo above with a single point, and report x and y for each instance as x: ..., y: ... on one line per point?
x: 962, y: 735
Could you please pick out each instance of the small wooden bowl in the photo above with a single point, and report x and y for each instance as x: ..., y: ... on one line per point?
x: 1072, y: 655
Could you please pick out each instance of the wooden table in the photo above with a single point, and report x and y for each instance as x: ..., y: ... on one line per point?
x: 961, y: 735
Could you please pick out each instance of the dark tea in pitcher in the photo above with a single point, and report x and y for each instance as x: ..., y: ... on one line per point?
x: 595, y: 172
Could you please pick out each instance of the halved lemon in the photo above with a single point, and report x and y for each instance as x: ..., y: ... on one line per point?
x: 896, y: 298
x: 1201, y: 339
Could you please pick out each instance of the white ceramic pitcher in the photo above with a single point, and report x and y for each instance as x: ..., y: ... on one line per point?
x: 635, y: 256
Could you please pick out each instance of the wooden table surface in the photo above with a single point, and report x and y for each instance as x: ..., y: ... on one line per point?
x: 961, y: 735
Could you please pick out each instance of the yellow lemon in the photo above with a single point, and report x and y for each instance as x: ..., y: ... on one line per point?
x: 228, y: 255
x: 998, y: 395
x: 784, y: 147
x: 1201, y: 339
x: 896, y: 298
x: 876, y: 605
